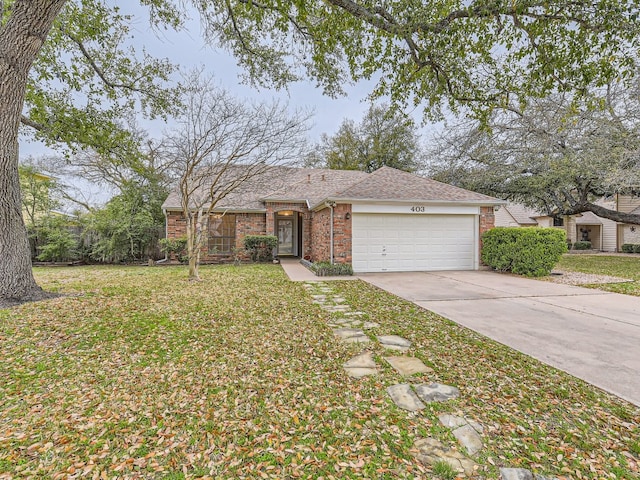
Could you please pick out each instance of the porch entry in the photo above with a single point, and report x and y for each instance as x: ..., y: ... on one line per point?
x: 289, y: 232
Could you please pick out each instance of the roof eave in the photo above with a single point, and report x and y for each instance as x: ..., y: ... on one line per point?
x: 479, y: 203
x: 221, y: 209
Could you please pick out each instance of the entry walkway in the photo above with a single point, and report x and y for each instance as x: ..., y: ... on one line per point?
x: 299, y: 273
x: 591, y: 334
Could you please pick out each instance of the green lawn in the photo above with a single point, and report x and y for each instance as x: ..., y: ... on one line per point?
x: 617, y: 266
x: 137, y: 373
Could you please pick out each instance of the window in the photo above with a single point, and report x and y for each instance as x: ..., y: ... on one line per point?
x: 222, y: 233
x: 558, y: 222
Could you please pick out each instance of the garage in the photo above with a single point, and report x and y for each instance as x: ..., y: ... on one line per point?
x: 395, y: 242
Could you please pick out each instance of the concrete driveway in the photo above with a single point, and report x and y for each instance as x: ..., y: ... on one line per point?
x: 591, y: 334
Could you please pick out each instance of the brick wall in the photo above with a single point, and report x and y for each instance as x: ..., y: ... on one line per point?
x: 321, y: 234
x: 176, y: 225
x: 487, y: 222
x: 246, y: 224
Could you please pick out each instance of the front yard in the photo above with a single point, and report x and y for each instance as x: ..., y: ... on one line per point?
x: 624, y: 266
x: 138, y: 373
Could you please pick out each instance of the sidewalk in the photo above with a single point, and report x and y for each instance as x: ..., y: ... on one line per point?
x: 299, y: 273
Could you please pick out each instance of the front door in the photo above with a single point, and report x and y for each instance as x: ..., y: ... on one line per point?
x: 285, y: 236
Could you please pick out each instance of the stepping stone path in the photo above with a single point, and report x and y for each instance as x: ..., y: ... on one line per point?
x: 323, y: 296
x: 361, y: 365
x: 428, y: 451
x: 408, y: 365
x: 394, y: 342
x: 466, y: 432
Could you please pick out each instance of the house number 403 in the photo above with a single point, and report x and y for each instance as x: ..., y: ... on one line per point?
x: 417, y: 209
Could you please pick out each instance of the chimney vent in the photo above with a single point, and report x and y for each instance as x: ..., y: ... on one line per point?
x: 323, y: 177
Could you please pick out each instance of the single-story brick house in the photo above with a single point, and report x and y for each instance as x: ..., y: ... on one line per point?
x: 388, y: 220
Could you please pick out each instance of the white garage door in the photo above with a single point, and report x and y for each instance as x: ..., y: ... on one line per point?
x: 410, y: 243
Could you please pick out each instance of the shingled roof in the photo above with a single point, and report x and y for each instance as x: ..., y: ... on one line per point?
x: 389, y: 183
x: 314, y: 186
x: 523, y: 215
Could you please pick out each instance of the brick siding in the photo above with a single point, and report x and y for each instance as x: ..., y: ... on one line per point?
x: 321, y: 234
x: 246, y: 224
x: 487, y: 222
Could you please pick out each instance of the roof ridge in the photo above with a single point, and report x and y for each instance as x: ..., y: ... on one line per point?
x: 363, y: 179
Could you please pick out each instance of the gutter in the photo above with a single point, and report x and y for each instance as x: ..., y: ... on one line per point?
x: 458, y: 203
x: 166, y: 230
x: 331, y: 205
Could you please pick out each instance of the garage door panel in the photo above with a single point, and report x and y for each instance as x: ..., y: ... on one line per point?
x: 396, y: 242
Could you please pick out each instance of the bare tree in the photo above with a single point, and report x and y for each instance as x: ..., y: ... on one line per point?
x: 220, y: 144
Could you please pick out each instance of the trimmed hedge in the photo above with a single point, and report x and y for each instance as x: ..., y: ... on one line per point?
x: 324, y: 269
x: 526, y: 251
x: 260, y: 247
x: 582, y: 245
x: 631, y: 248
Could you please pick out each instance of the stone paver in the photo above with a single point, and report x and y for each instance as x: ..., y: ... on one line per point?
x: 436, y: 392
x: 361, y: 365
x: 452, y: 421
x: 368, y: 325
x: 354, y: 314
x: 404, y: 397
x: 468, y: 438
x: 394, y: 342
x: 408, y: 365
x: 352, y: 335
x: 431, y: 451
x: 344, y: 323
x: 515, y: 474
x: 336, y: 308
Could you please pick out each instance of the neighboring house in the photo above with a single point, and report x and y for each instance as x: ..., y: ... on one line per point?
x: 604, y: 234
x: 388, y: 220
x: 628, y: 233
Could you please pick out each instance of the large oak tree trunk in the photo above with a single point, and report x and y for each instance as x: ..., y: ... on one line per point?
x: 20, y: 41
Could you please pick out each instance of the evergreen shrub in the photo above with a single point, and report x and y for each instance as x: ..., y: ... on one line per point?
x: 526, y: 251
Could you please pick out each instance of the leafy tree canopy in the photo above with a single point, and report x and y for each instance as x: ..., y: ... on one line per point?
x: 450, y: 54
x: 89, y: 78
x: 383, y: 138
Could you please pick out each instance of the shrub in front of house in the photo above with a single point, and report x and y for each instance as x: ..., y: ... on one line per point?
x: 630, y: 248
x: 260, y: 247
x: 582, y: 245
x: 526, y: 251
x: 325, y: 269
x: 175, y: 246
